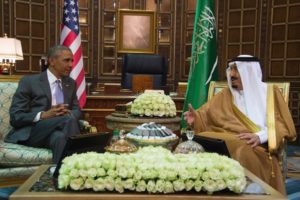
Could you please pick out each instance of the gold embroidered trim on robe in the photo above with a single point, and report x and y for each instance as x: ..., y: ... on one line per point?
x: 272, y: 144
x: 245, y: 120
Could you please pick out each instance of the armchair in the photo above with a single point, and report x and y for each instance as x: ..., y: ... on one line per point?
x: 145, y: 64
x: 18, y: 162
x: 284, y: 87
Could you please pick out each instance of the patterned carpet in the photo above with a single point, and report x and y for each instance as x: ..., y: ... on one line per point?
x: 292, y: 182
x: 5, y: 192
x: 293, y: 188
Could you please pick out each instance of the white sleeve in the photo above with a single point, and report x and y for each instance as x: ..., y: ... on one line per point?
x: 263, y: 135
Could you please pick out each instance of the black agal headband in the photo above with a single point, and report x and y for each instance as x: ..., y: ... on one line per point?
x: 245, y: 59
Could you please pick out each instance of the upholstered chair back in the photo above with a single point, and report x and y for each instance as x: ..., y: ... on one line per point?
x: 144, y: 64
x: 7, y: 90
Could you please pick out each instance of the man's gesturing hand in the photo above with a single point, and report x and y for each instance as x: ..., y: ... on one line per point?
x: 189, y: 116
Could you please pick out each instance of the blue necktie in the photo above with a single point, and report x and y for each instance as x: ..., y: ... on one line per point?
x: 58, y: 93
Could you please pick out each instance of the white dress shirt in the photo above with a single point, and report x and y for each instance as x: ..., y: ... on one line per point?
x: 52, y: 83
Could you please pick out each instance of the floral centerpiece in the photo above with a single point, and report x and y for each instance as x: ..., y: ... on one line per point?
x: 153, y: 104
x: 152, y: 170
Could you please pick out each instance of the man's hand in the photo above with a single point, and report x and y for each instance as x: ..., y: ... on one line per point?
x: 251, y: 138
x: 189, y: 116
x: 54, y: 111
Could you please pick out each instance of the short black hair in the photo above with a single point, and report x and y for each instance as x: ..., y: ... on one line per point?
x: 53, y: 51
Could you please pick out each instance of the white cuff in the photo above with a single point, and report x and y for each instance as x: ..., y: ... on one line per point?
x: 263, y: 136
x: 37, y: 117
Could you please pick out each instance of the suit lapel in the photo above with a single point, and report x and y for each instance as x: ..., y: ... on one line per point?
x: 45, y: 85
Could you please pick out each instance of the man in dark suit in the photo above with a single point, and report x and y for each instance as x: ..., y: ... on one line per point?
x: 45, y: 110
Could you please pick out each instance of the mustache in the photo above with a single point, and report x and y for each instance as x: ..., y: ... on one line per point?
x: 233, y: 78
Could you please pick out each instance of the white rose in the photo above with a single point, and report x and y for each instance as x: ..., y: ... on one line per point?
x: 99, y: 184
x: 198, y: 185
x: 88, y: 184
x: 109, y: 183
x: 141, y: 186
x: 76, y: 184
x: 63, y: 181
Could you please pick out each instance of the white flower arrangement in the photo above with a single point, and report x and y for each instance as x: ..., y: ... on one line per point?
x: 152, y: 170
x: 153, y: 104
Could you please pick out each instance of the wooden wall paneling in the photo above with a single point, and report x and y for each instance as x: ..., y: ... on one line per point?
x: 284, y: 42
x: 53, y: 27
x: 30, y: 20
x: 243, y: 28
x: 86, y: 26
x: 239, y: 29
x: 294, y: 105
x: 222, y: 34
x: 6, y: 15
x: 124, y: 4
x: 1, y: 19
x: 177, y: 59
x: 58, y: 20
x: 263, y: 36
x: 283, y: 50
x: 95, y: 48
x: 187, y: 27
x: 166, y: 33
x: 220, y: 16
x: 107, y: 52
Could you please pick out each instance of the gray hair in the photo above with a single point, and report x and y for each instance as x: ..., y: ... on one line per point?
x: 53, y: 51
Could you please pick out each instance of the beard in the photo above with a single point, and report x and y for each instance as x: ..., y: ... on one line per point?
x: 233, y: 78
x: 234, y: 86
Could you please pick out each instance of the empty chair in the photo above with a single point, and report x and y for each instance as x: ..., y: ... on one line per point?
x: 144, y: 64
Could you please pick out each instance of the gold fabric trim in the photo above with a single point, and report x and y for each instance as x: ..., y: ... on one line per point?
x: 245, y: 120
x: 272, y: 166
x: 271, y: 119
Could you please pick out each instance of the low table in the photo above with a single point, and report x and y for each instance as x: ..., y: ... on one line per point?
x: 24, y: 192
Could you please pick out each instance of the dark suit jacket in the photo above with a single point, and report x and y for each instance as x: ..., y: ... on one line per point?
x: 33, y: 95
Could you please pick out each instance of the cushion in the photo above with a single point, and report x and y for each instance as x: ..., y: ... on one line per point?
x: 20, y: 155
x: 7, y: 90
x: 17, y: 172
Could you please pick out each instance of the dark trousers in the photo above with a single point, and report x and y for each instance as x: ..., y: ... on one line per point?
x: 53, y: 133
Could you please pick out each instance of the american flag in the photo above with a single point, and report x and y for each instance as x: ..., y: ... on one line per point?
x: 70, y: 36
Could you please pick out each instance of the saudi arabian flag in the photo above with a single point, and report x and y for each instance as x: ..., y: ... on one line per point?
x: 204, y: 56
